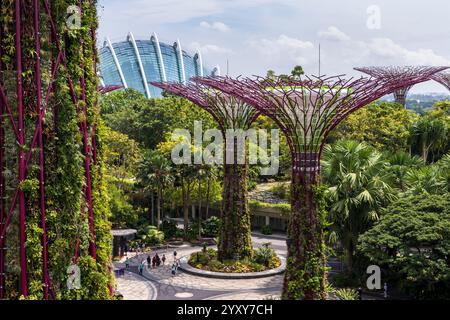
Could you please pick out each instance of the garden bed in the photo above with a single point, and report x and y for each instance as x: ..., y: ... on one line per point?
x: 264, y: 259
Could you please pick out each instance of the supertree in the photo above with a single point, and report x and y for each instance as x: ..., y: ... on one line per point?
x: 48, y: 134
x: 307, y: 110
x: 443, y: 78
x: 230, y: 113
x: 392, y: 72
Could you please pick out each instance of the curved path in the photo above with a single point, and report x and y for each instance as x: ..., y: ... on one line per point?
x: 164, y: 286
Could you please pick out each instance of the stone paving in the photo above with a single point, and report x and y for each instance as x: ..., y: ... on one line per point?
x: 160, y: 283
x: 248, y: 295
x: 134, y: 287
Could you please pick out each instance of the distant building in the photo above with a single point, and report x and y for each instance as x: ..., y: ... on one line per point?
x: 134, y: 63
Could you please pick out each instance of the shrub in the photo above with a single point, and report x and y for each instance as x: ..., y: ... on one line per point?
x: 211, y: 227
x: 264, y: 254
x: 193, y: 231
x: 169, y: 227
x: 346, y: 294
x: 266, y: 229
x: 151, y: 236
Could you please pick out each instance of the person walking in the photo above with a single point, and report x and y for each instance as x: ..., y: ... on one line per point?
x: 157, y: 260
x: 174, y: 269
x: 141, y: 268
x: 163, y: 259
x: 175, y: 256
x: 149, y: 261
x: 127, y: 263
x: 143, y: 247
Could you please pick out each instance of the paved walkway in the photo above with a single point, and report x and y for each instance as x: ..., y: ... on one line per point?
x: 159, y: 283
x: 134, y: 287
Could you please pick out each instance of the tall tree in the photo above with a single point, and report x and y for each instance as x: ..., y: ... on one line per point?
x: 358, y: 189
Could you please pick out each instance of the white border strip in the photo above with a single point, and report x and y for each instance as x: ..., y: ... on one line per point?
x: 139, y: 60
x: 199, y: 59
x: 116, y: 61
x: 177, y: 45
x: 155, y: 40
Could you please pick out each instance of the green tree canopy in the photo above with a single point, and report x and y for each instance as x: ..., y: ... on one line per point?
x: 384, y: 126
x: 412, y: 241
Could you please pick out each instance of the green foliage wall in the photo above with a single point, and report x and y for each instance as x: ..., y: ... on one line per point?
x: 64, y: 160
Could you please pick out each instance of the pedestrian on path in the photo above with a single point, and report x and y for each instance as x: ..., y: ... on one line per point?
x: 143, y: 247
x: 141, y: 268
x: 175, y: 256
x: 149, y: 261
x: 157, y: 260
x: 163, y: 259
x: 127, y: 263
x: 174, y: 269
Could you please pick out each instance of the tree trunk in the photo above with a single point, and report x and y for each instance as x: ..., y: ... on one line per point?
x: 199, y: 208
x: 185, y: 207
x: 305, y: 276
x: 235, y: 234
x: 207, y: 198
x: 158, y: 213
x: 152, y: 207
x: 424, y: 152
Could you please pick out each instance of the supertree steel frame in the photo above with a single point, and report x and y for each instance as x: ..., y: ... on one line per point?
x: 307, y: 111
x: 229, y: 113
x: 57, y: 65
x: 392, y: 72
x: 443, y: 78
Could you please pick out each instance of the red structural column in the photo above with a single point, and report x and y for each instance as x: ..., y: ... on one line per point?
x: 40, y: 111
x: 22, y: 209
x: 2, y: 180
x: 87, y: 157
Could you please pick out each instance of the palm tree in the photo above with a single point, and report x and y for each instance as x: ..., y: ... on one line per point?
x: 156, y: 173
x: 359, y: 187
x: 400, y: 163
x: 297, y: 72
x: 429, y: 179
x: 429, y: 135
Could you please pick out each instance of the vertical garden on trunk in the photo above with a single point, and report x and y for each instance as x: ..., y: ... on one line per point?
x: 73, y: 161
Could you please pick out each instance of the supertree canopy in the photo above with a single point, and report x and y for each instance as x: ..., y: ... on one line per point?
x: 306, y: 110
x: 230, y: 112
x: 393, y: 72
x: 443, y: 78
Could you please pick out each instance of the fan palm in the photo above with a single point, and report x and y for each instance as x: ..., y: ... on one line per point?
x: 359, y: 186
x: 400, y: 163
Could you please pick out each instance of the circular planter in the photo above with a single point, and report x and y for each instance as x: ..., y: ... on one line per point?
x: 184, y: 265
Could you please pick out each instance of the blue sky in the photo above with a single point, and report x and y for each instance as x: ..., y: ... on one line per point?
x: 257, y: 35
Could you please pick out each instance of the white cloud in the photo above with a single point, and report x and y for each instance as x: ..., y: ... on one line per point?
x: 283, y: 49
x: 387, y: 50
x: 209, y: 48
x: 334, y: 34
x: 219, y: 26
x: 174, y: 11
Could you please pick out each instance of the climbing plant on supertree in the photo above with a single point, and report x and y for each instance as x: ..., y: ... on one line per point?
x: 50, y: 110
x: 230, y: 113
x: 307, y: 110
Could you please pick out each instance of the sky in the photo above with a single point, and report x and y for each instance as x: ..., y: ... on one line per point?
x: 257, y: 35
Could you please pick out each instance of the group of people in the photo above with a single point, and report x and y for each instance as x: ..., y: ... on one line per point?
x: 156, y: 262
